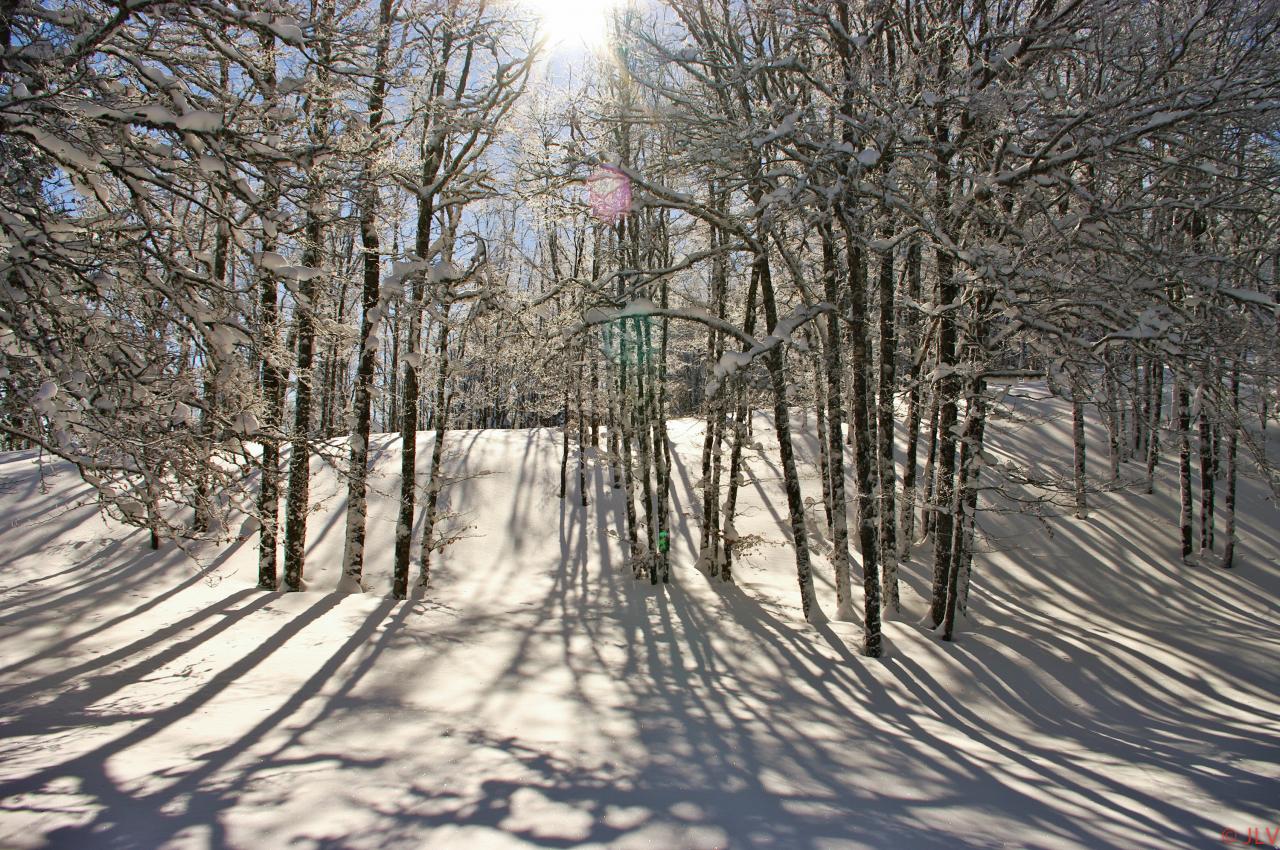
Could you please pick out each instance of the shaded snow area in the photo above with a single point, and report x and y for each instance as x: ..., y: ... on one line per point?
x: 1100, y: 693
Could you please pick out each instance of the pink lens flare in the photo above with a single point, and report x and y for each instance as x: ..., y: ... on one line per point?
x: 610, y: 193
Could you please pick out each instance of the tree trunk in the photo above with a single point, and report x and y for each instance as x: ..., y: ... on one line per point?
x: 824, y: 454
x: 297, y: 504
x: 434, y: 476
x: 966, y: 508
x: 786, y: 452
x: 1077, y: 444
x: 1183, y: 404
x: 927, y: 513
x: 273, y: 384
x: 1206, y: 475
x: 861, y: 425
x: 888, y: 544
x: 947, y: 390
x: 582, y: 424
x: 1229, y: 532
x: 1154, y: 406
x: 840, y: 556
x: 662, y: 445
x: 1116, y: 437
x: 371, y: 315
x: 741, y: 425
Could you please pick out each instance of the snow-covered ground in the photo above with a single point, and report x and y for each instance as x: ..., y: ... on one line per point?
x: 1100, y: 694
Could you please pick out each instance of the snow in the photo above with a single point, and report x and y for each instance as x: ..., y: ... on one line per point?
x: 284, y: 28
x: 444, y: 271
x: 1100, y: 694
x: 270, y: 261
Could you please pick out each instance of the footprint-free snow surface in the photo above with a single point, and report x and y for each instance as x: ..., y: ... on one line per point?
x: 1100, y: 692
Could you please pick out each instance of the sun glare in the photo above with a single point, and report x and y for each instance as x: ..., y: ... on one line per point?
x: 574, y: 24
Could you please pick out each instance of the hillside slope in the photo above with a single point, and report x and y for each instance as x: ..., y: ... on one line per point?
x: 1100, y: 694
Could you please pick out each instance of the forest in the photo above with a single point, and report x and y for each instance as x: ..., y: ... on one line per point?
x: 267, y: 265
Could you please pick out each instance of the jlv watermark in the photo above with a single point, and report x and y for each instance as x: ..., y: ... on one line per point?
x: 1253, y: 836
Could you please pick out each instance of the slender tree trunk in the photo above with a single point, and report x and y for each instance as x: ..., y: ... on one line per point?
x: 410, y: 392
x: 273, y: 382
x: 627, y: 424
x: 1206, y: 475
x: 840, y: 556
x: 947, y: 390
x: 824, y: 454
x: 662, y: 445
x: 613, y: 442
x: 1233, y: 434
x: 221, y: 248
x: 885, y: 433
x: 298, y: 500
x: 582, y: 448
x: 786, y: 452
x: 371, y: 317
x: 966, y: 508
x: 709, y: 532
x: 435, y: 478
x: 907, y: 527
x: 1077, y: 443
x: 1116, y: 437
x: 1140, y: 398
x: 595, y: 402
x: 643, y: 424
x: 298, y: 503
x: 432, y: 150
x: 741, y: 426
x: 1183, y: 404
x: 1154, y: 406
x: 564, y: 432
x: 861, y: 424
x: 927, y: 512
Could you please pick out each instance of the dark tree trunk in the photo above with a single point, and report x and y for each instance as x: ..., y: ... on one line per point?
x: 861, y: 425
x: 741, y: 426
x: 435, y: 478
x: 1154, y: 407
x: 358, y: 462
x: 298, y: 502
x: 824, y: 454
x: 840, y: 557
x: 965, y: 508
x: 1078, y: 450
x: 774, y: 362
x: 947, y: 390
x: 273, y: 384
x: 913, y: 412
x: 1233, y: 434
x: 888, y: 544
x: 1207, y: 474
x: 1183, y: 404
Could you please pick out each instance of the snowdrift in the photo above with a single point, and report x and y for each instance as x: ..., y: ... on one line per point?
x: 1100, y: 693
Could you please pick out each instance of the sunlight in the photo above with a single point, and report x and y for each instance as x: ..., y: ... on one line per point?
x: 574, y: 24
